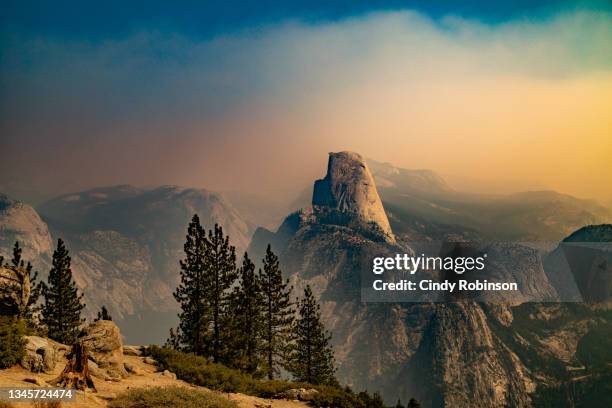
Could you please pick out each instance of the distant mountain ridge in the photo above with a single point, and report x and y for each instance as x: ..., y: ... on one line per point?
x: 125, y: 243
x: 414, y: 197
x: 423, y: 180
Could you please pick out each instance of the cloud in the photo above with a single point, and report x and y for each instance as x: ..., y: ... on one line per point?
x: 158, y: 107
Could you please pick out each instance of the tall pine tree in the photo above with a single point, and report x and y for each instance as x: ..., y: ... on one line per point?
x: 312, y: 358
x: 220, y: 272
x: 192, y: 293
x: 103, y: 314
x: 277, y: 314
x: 63, y: 305
x: 208, y: 273
x: 35, y: 287
x: 413, y: 404
x: 246, y: 311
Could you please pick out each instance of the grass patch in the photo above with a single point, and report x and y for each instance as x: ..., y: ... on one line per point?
x: 176, y: 397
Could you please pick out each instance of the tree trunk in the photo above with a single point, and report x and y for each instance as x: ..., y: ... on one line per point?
x: 76, y: 373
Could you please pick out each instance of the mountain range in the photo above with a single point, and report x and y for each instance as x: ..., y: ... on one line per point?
x: 125, y: 244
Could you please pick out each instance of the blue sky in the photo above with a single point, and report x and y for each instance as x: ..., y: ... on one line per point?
x: 114, y: 18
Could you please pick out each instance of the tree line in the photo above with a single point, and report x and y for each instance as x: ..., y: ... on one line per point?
x: 59, y: 315
x: 245, y: 318
x: 231, y: 314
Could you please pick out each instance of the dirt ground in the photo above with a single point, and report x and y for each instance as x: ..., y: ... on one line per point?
x: 107, y: 390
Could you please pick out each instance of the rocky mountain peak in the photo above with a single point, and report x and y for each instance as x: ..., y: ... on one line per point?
x: 349, y: 188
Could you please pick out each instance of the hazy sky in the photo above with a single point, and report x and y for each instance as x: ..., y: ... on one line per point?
x: 249, y: 98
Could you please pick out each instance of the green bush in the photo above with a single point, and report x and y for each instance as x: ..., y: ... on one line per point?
x: 200, y: 371
x: 12, y: 343
x: 176, y: 397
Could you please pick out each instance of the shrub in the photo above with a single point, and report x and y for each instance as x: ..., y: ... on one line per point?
x: 12, y: 343
x: 176, y: 397
x: 47, y: 404
x: 199, y: 371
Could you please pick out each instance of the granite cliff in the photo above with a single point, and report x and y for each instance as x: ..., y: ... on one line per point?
x: 460, y: 354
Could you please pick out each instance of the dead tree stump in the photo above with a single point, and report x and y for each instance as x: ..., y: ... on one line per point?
x: 76, y: 373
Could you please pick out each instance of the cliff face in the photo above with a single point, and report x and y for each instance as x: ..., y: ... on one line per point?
x: 347, y: 195
x: 461, y: 354
x: 439, y: 353
x: 20, y: 222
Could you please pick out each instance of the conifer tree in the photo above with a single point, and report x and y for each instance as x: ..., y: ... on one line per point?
x: 312, y: 358
x: 277, y: 314
x: 220, y: 273
x: 173, y: 342
x: 192, y: 293
x: 376, y: 401
x: 399, y: 404
x: 35, y: 287
x: 246, y: 310
x: 63, y: 305
x: 103, y: 314
x: 208, y: 273
x: 413, y: 404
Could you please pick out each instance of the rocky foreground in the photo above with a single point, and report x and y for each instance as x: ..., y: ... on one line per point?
x: 115, y: 369
x: 147, y: 376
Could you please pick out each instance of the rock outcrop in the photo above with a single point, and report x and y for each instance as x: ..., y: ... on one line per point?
x: 348, y: 195
x: 14, y: 290
x: 20, y: 222
x: 104, y: 346
x: 42, y: 354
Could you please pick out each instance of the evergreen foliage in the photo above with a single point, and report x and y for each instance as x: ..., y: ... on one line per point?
x: 103, y: 314
x: 278, y: 314
x: 247, y: 319
x: 192, y: 293
x: 35, y: 287
x: 312, y: 358
x: 221, y: 274
x: 413, y: 404
x: 12, y: 343
x: 173, y: 341
x: 208, y: 272
x: 61, y: 312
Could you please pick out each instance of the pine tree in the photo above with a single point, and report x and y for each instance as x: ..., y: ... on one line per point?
x: 246, y: 318
x: 413, y: 404
x: 312, y: 358
x: 277, y: 314
x: 63, y: 305
x: 192, y: 293
x: 377, y: 401
x: 12, y: 342
x: 220, y: 272
x: 208, y: 273
x: 174, y: 341
x: 103, y: 314
x: 399, y: 404
x: 35, y: 287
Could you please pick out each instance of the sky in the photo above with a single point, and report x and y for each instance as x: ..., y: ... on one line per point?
x: 243, y: 95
